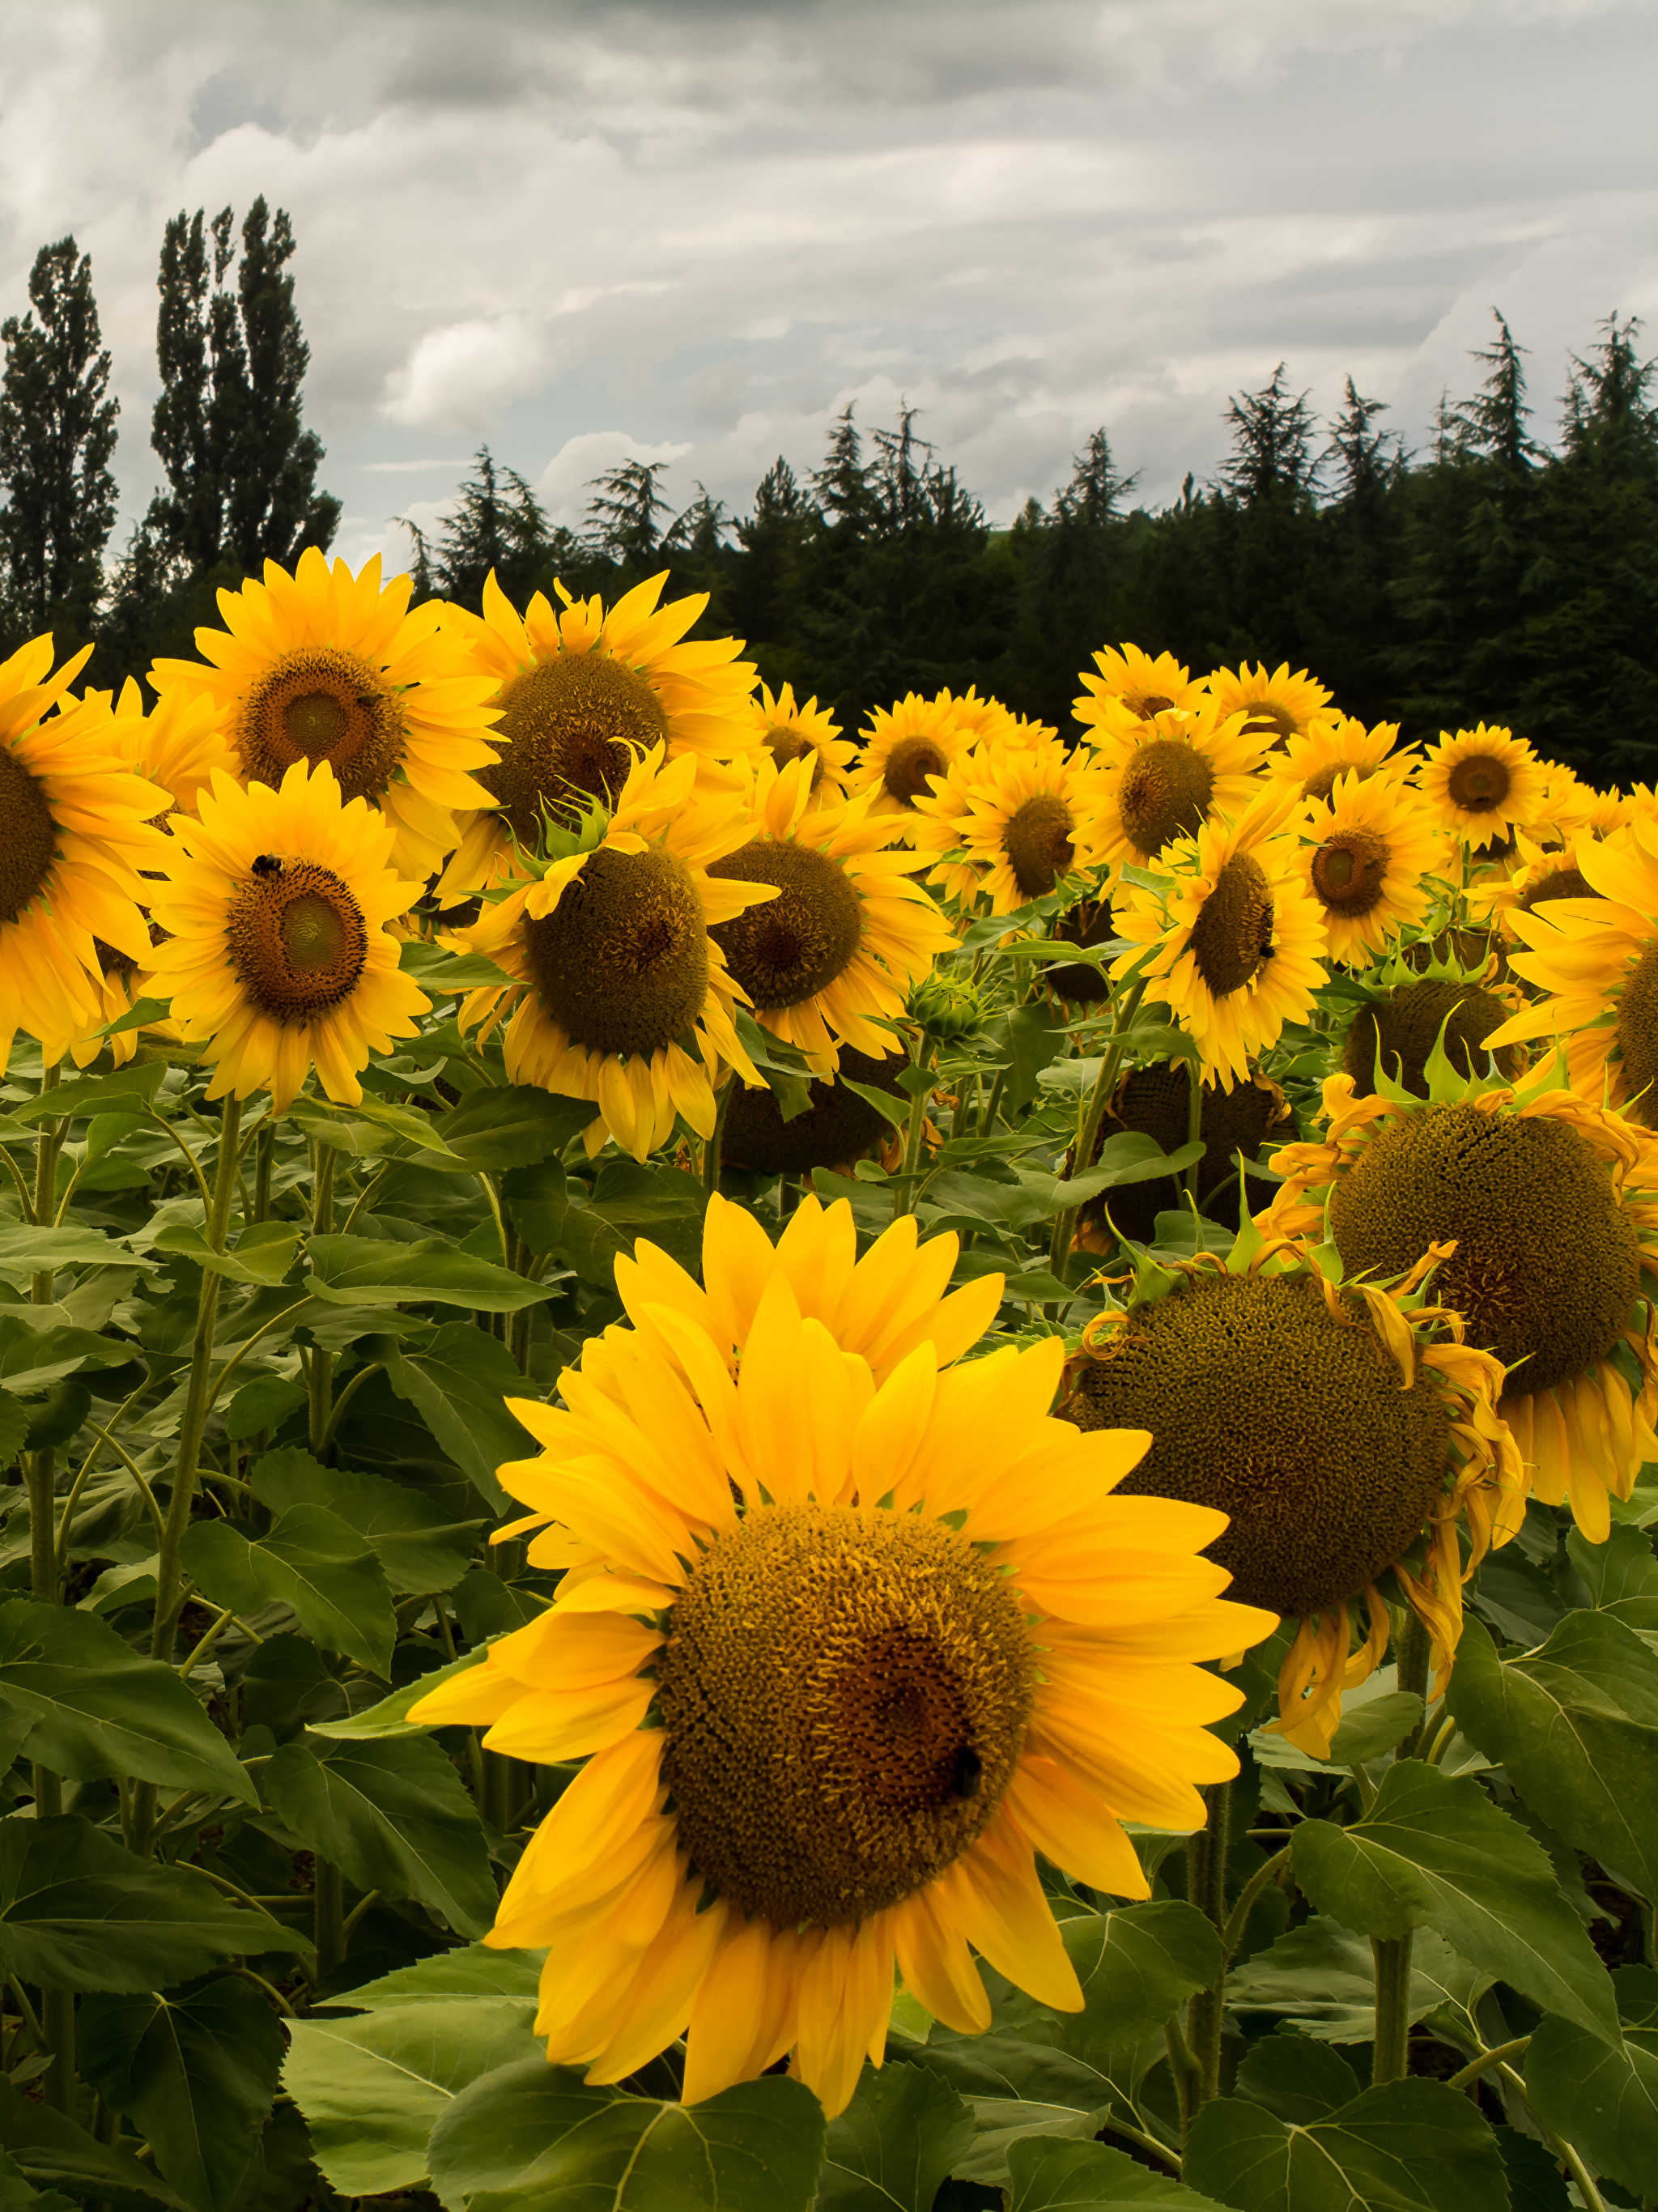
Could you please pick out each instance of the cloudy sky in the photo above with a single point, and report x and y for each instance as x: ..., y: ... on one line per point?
x: 694, y: 230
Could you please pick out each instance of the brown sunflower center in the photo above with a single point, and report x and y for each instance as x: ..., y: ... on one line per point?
x: 621, y: 963
x: 1547, y: 1261
x: 1558, y: 884
x: 1349, y: 869
x: 908, y: 765
x: 1323, y: 781
x: 1637, y: 1037
x: 1152, y: 704
x: 785, y: 745
x: 1290, y: 1422
x: 1269, y: 720
x: 796, y: 943
x: 298, y: 940
x: 1036, y: 839
x: 1089, y: 922
x: 1480, y: 783
x: 1232, y: 936
x: 836, y: 1128
x: 28, y: 835
x: 845, y: 1693
x: 570, y: 729
x: 1396, y: 1036
x: 1164, y: 794
x: 318, y: 704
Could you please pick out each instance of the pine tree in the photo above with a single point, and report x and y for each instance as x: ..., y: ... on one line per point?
x: 497, y: 522
x: 1363, y: 461
x: 1272, y: 436
x: 57, y: 435
x: 1094, y: 495
x: 626, y: 526
x: 842, y: 486
x: 764, y: 576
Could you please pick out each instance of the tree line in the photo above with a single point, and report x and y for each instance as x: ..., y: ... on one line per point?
x: 1493, y: 575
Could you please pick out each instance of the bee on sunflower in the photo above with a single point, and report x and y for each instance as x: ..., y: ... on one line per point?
x: 1277, y: 707
x: 835, y: 1682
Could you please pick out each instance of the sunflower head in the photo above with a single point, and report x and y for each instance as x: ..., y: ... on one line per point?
x: 1277, y: 706
x: 837, y: 1128
x: 1163, y: 776
x: 1012, y: 820
x: 1331, y: 747
x: 791, y: 732
x: 1371, y: 849
x: 1086, y: 924
x: 1394, y: 1033
x: 1484, y: 783
x: 905, y: 747
x: 1130, y: 687
x: 1156, y: 1101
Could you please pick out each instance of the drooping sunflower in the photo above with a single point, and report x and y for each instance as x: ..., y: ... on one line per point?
x: 1548, y: 1209
x: 905, y: 746
x: 1396, y: 1031
x: 1279, y: 707
x: 1483, y: 783
x: 835, y: 951
x: 1237, y: 936
x: 122, y: 982
x: 275, y: 952
x: 842, y: 1656
x: 1313, y: 761
x: 74, y: 831
x: 791, y: 731
x: 1089, y: 923
x: 838, y: 1127
x: 1157, y: 1102
x: 1020, y: 817
x: 581, y: 694
x: 615, y: 971
x: 1371, y: 850
x: 324, y: 666
x: 1343, y: 1426
x: 1163, y: 777
x: 1132, y: 686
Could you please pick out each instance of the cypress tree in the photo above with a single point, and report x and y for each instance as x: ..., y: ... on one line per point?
x: 57, y: 435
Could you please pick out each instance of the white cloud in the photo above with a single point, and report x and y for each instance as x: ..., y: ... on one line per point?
x: 460, y: 377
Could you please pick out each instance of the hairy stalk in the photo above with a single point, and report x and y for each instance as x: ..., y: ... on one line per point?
x: 1206, y: 1855
x: 264, y: 1155
x: 319, y: 1364
x: 1413, y: 1653
x: 1393, y: 2008
x: 1093, y: 1113
x: 903, y: 1191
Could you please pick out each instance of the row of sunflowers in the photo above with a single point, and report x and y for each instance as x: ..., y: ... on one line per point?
x: 1150, y: 1214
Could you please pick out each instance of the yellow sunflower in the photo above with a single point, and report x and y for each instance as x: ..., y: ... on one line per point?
x: 844, y: 1654
x: 836, y: 950
x: 1343, y: 1426
x: 791, y: 732
x: 1339, y: 746
x: 1021, y: 817
x: 1483, y: 783
x: 1236, y: 938
x: 1133, y: 686
x: 1163, y: 777
x: 122, y: 981
x: 1546, y: 1208
x: 905, y: 746
x: 324, y: 666
x: 74, y: 831
x: 178, y: 743
x: 613, y: 968
x: 1538, y: 873
x: 581, y: 694
x: 276, y: 953
x: 1277, y: 707
x: 1370, y: 851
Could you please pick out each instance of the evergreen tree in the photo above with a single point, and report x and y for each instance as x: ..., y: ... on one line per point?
x: 57, y: 435
x: 764, y: 576
x: 626, y: 525
x: 497, y: 522
x: 844, y: 492
x: 1272, y: 435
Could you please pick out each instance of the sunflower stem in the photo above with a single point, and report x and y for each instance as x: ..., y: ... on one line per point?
x: 1088, y: 1125
x: 904, y: 1190
x: 265, y: 1159
x: 1205, y: 1883
x: 711, y: 1149
x: 319, y: 1364
x: 1393, y: 2008
x: 328, y: 1902
x: 1193, y: 1126
x: 1412, y: 1655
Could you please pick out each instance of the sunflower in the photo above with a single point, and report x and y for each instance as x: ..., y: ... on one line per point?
x: 1132, y: 687
x: 580, y: 694
x: 989, y: 723
x: 1021, y: 817
x: 122, y: 981
x: 1538, y: 874
x: 1237, y: 937
x: 1343, y: 1428
x: 835, y: 952
x: 177, y: 744
x: 1156, y: 1101
x: 1483, y: 783
x: 1370, y: 850
x: 906, y: 746
x: 1396, y: 1031
x: 1340, y: 746
x: 843, y: 1655
x: 1279, y: 707
x: 1548, y: 1208
x: 74, y: 831
x: 276, y: 953
x: 836, y: 1129
x: 1161, y: 778
x: 790, y: 731
x: 612, y: 961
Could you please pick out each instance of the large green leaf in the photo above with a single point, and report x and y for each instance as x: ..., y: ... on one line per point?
x: 1322, y: 1977
x: 49, y: 2150
x: 1575, y: 1727
x: 1600, y: 2095
x: 394, y: 1816
x: 24, y: 1251
x: 472, y: 1970
x: 311, y: 1560
x: 513, y: 1126
x: 261, y: 1256
x: 899, y: 2138
x: 99, y: 1710
x: 197, y: 2073
x: 1406, y: 2143
x: 416, y: 1541
x: 127, y: 1091
x: 1299, y: 2079
x: 78, y: 1912
x: 31, y: 1358
x: 1620, y: 1575
x: 1434, y: 1852
x: 457, y: 1383
x: 371, y: 1271
x: 391, y: 1715
x: 371, y: 2088
x: 536, y: 2136
x: 1054, y: 2174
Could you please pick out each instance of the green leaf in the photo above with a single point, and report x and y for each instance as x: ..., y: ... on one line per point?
x: 1053, y: 2174
x: 1322, y: 1977
x: 394, y: 1816
x: 536, y: 2136
x: 390, y: 1717
x: 77, y: 1912
x: 416, y: 1541
x: 1621, y: 1575
x: 513, y: 1126
x: 372, y: 1129
x: 891, y: 1109
x: 1603, y: 2096
x: 197, y: 2073
x: 54, y: 1419
x: 436, y: 970
x: 129, y: 1091
x: 13, y: 1426
x: 263, y: 1254
x: 897, y: 2142
x: 1298, y: 2080
x: 47, y: 2148
x: 1535, y: 2181
x: 262, y: 1404
x: 311, y: 1560
x: 1575, y: 1727
x: 1435, y: 1852
x: 458, y: 1383
x: 473, y: 1970
x: 371, y: 2088
x: 371, y: 1271
x: 1408, y: 2143
x: 1031, y: 1036
x: 32, y: 1251
x: 100, y: 1710
x: 1376, y: 1726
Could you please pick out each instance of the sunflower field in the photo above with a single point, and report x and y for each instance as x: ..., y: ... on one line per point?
x: 754, y: 1467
